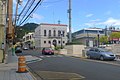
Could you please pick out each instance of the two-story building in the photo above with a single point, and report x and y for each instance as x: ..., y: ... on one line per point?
x: 88, y: 35
x: 50, y: 34
x: 28, y: 40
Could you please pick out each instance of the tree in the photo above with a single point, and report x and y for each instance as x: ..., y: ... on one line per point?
x: 104, y: 39
x: 115, y: 35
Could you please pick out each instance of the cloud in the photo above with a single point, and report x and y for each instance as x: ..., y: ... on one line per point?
x: 89, y: 15
x: 37, y: 16
x: 112, y: 21
x: 98, y: 22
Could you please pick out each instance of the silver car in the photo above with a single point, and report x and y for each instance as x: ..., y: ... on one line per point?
x: 100, y: 53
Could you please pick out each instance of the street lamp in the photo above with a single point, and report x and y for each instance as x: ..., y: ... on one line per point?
x: 98, y: 38
x: 61, y: 40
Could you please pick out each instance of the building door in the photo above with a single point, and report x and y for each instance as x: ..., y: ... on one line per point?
x: 55, y: 43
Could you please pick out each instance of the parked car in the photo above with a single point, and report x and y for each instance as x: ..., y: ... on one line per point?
x: 18, y: 50
x: 25, y: 48
x: 47, y: 51
x: 100, y: 53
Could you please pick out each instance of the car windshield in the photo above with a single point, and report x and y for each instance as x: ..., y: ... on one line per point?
x: 103, y: 50
x: 48, y: 49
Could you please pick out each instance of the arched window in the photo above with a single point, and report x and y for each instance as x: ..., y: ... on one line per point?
x: 45, y: 32
x: 49, y: 33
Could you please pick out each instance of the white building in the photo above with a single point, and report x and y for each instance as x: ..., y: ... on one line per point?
x: 50, y: 34
x: 28, y: 40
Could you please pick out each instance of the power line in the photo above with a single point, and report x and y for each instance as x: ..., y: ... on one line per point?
x: 27, y: 10
x: 24, y: 8
x: 30, y: 12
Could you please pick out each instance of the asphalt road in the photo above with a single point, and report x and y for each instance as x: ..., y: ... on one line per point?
x: 59, y: 64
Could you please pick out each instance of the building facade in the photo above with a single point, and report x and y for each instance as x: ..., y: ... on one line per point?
x: 28, y: 40
x: 47, y: 35
x: 87, y: 35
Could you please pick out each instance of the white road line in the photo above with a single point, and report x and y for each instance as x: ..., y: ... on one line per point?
x: 42, y: 56
x: 53, y: 56
x: 48, y: 56
x: 60, y: 55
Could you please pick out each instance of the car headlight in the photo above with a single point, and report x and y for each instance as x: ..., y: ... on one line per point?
x: 107, y: 55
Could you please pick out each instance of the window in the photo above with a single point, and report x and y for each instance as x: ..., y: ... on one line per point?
x: 63, y: 34
x: 45, y: 32
x: 44, y: 42
x: 92, y: 49
x: 54, y: 33
x: 59, y: 33
x: 49, y: 42
x: 30, y: 37
x: 59, y: 42
x: 49, y: 33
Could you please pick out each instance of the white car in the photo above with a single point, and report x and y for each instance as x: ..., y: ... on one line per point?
x: 25, y: 48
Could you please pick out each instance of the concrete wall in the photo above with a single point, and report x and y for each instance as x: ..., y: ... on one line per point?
x: 75, y: 50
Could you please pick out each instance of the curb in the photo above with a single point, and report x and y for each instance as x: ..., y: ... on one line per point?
x: 28, y: 69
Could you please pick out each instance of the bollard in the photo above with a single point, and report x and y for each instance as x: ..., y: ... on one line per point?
x: 22, y: 65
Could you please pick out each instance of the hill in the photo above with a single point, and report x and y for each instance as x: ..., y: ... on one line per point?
x: 26, y: 28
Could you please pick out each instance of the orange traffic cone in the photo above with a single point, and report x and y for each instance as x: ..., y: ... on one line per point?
x: 22, y: 65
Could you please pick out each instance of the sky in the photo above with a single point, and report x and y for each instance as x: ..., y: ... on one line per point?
x: 85, y: 13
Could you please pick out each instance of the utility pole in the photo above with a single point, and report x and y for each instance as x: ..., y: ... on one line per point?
x: 69, y: 12
x: 10, y: 32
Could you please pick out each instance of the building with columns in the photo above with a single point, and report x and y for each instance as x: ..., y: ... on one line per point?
x: 50, y: 34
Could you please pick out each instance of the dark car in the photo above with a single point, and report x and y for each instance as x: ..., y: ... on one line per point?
x: 46, y: 51
x: 100, y: 53
x: 18, y: 50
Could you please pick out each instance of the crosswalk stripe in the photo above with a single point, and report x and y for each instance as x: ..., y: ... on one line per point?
x: 51, y: 56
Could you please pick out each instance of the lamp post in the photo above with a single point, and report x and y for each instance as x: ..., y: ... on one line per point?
x: 61, y: 40
x: 98, y: 38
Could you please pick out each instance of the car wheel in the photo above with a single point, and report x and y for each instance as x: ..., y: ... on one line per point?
x: 101, y: 58
x: 88, y: 56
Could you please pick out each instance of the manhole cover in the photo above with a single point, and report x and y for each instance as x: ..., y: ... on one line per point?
x: 49, y: 75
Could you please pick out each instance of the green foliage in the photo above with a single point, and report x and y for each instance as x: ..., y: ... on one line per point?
x: 115, y: 35
x: 104, y: 39
x: 58, y: 47
x: 26, y: 28
x: 74, y: 43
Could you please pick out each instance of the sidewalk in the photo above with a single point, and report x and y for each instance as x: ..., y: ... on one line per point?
x: 8, y: 70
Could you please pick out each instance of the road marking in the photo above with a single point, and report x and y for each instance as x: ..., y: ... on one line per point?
x: 60, y: 55
x: 41, y: 56
x: 47, y: 56
x: 32, y: 61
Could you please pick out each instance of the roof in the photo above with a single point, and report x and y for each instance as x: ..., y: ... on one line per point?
x: 53, y: 24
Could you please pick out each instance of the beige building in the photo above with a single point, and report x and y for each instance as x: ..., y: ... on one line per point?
x: 2, y: 27
x: 47, y: 35
x: 28, y: 40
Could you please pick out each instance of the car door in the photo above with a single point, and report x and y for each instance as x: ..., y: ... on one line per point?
x: 91, y: 52
x: 97, y: 53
